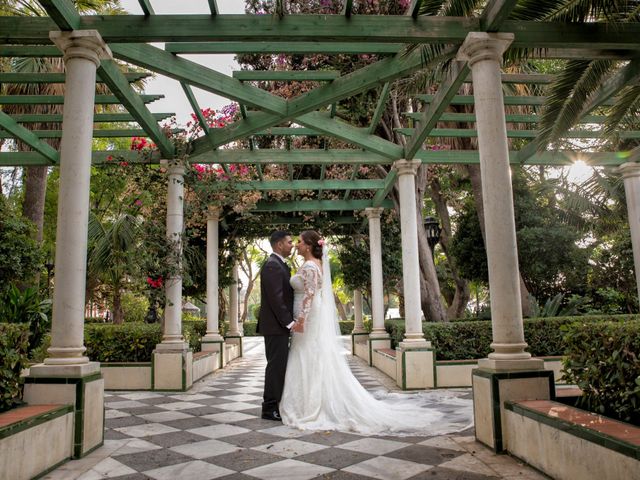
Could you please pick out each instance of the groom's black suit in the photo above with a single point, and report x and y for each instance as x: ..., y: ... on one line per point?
x: 276, y: 312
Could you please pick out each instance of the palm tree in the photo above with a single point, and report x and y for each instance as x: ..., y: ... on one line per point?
x: 111, y: 255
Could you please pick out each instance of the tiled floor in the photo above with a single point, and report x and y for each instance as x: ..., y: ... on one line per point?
x: 215, y: 432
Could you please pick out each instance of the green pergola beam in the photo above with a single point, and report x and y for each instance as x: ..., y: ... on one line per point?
x: 63, y: 13
x: 59, y: 99
x: 380, y: 107
x: 356, y: 136
x: 318, y: 28
x: 98, y: 133
x: 97, y: 117
x: 471, y: 133
x: 495, y: 13
x: 508, y: 100
x: 331, y: 157
x: 289, y: 131
x: 299, y: 48
x: 286, y: 76
x: 58, y: 77
x: 317, y: 205
x: 26, y: 136
x: 382, y: 71
x: 146, y: 7
x: 29, y: 51
x: 116, y: 81
x: 298, y: 185
x: 389, y: 182
x: 429, y: 119
x: 339, y: 220
x: 199, y: 76
x: 510, y: 118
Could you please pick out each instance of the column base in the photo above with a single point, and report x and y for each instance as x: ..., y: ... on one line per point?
x: 172, y: 346
x: 171, y: 370
x: 491, y: 389
x: 354, y: 336
x: 235, y: 340
x: 84, y: 391
x: 415, y: 365
x: 214, y: 343
x: 510, y: 365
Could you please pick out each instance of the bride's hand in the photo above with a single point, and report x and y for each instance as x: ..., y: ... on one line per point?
x: 298, y: 327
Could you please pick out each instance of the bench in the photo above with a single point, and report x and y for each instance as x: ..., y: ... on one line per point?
x: 567, y: 443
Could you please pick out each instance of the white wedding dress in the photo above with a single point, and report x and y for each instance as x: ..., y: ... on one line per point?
x: 321, y: 393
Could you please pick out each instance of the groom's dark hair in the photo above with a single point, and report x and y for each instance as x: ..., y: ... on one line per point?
x: 277, y: 236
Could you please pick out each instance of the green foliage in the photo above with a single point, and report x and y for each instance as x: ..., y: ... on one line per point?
x: 133, y: 342
x: 20, y: 256
x: 249, y: 329
x: 14, y: 342
x: 554, y: 307
x: 134, y: 307
x: 466, y: 340
x: 26, y: 307
x: 602, y: 359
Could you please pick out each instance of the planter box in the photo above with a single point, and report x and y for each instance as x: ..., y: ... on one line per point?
x: 34, y: 440
x: 126, y: 376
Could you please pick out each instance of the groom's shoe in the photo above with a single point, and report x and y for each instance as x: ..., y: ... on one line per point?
x: 275, y: 415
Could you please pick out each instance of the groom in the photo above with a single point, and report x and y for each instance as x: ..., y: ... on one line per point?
x: 275, y: 320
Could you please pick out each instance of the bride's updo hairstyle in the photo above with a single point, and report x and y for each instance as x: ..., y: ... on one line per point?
x: 313, y: 239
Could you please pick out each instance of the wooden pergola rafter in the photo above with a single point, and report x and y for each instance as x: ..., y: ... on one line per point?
x: 312, y: 113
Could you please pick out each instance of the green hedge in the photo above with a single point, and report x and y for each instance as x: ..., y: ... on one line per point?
x: 14, y: 344
x: 134, y: 342
x: 603, y: 360
x: 471, y: 340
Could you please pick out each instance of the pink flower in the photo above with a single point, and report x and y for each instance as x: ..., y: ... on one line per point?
x: 321, y: 242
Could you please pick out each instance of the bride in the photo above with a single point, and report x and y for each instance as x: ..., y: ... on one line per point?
x: 321, y: 393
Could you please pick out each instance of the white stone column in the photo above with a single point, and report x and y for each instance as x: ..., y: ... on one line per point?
x: 358, y: 324
x: 377, y: 285
x: 82, y: 53
x: 234, y: 330
x: 172, y: 338
x: 631, y: 175
x: 484, y: 52
x: 213, y: 327
x: 413, y: 338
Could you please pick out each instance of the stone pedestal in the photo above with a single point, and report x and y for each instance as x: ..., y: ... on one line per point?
x: 67, y: 376
x: 492, y: 389
x: 415, y: 367
x: 172, y: 370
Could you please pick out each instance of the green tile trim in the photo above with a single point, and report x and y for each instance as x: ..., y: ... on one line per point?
x: 27, y: 423
x: 63, y: 380
x: 585, y: 433
x: 495, y: 378
x: 453, y: 363
x: 153, y: 372
x: 125, y: 364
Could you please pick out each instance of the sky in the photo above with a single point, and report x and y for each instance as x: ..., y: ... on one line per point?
x: 175, y: 100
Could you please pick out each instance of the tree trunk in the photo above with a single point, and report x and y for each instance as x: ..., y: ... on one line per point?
x: 476, y: 185
x: 340, y: 307
x: 458, y: 304
x: 245, y: 307
x: 118, y: 314
x: 35, y: 188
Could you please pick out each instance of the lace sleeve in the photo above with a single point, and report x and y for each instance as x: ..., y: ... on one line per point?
x: 309, y: 276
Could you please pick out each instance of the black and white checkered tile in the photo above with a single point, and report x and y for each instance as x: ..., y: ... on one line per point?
x: 215, y: 432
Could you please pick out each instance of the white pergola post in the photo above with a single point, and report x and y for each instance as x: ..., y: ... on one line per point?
x: 234, y: 335
x: 631, y: 175
x: 413, y: 338
x: 509, y: 373
x: 172, y: 358
x: 378, y: 338
x: 212, y: 341
x: 172, y: 338
x: 84, y: 386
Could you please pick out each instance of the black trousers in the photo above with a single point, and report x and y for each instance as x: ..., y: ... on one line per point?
x: 277, y: 351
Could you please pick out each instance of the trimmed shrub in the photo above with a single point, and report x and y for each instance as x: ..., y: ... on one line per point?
x: 14, y: 343
x: 471, y: 340
x: 602, y: 359
x: 249, y: 329
x: 134, y: 307
x: 193, y: 331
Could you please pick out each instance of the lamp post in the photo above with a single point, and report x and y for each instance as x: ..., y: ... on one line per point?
x: 433, y: 230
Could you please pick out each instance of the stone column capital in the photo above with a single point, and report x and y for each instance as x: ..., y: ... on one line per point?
x: 373, y: 212
x: 173, y: 167
x: 87, y: 44
x: 484, y: 46
x: 213, y: 213
x: 406, y: 167
x: 629, y: 170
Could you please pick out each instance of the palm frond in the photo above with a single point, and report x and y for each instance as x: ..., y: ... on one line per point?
x: 626, y: 109
x: 568, y: 94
